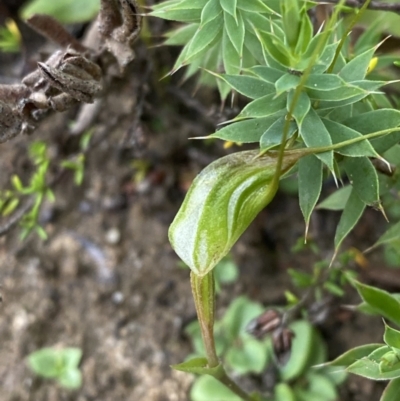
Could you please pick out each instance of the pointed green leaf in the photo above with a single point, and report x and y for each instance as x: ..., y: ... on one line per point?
x: 391, y: 235
x: 351, y: 214
x: 254, y: 6
x: 381, y: 301
x: 314, y: 134
x: 273, y: 135
x: 337, y: 200
x: 302, y: 107
x: 263, y: 107
x: 179, y: 11
x: 356, y: 69
x: 231, y: 58
x: 392, y: 337
x: 364, y: 179
x: 370, y: 366
x: 236, y: 31
x: 374, y: 121
x: 196, y: 366
x: 324, y: 82
x: 273, y: 48
x: 266, y: 73
x: 324, y: 61
x: 210, y: 11
x: 337, y: 94
x: 181, y: 36
x: 286, y: 83
x: 253, y: 46
x: 340, y: 133
x: 229, y: 7
x: 310, y: 184
x: 247, y: 131
x: 352, y: 355
x: 306, y: 33
x: 204, y: 38
x: 392, y: 391
x: 249, y: 86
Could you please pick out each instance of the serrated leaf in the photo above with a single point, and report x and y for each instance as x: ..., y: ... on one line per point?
x: 391, y: 235
x: 391, y: 337
x: 266, y: 73
x: 314, y: 134
x: 310, y: 184
x: 337, y: 200
x: 340, y: 133
x: 392, y: 391
x: 302, y: 106
x: 229, y: 6
x: 381, y: 301
x: 249, y: 86
x: 236, y: 32
x: 352, y: 355
x: 273, y: 135
x: 247, y: 131
x: 351, y: 214
x: 286, y: 82
x: 357, y: 68
x: 364, y: 179
x: 374, y: 121
x: 263, y: 107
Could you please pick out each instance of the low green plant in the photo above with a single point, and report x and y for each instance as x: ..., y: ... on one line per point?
x: 39, y: 188
x: 10, y: 37
x: 58, y: 364
x: 243, y: 354
x: 316, y: 109
x: 66, y: 11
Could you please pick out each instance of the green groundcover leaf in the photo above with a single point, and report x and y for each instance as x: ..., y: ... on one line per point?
x: 66, y: 11
x: 392, y: 391
x: 381, y: 301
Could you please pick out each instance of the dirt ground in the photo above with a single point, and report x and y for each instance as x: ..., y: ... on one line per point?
x: 107, y: 280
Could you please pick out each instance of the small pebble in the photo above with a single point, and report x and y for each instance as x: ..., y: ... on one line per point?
x: 117, y: 297
x: 113, y: 235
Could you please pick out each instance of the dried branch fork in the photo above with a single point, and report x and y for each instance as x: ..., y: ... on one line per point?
x: 72, y: 74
